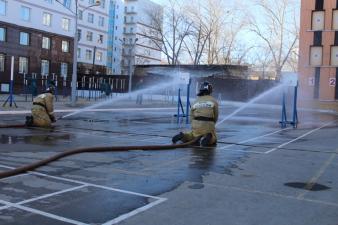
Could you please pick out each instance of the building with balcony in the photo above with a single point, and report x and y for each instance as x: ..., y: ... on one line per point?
x: 318, y: 53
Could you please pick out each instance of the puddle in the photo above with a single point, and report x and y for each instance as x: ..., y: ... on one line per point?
x: 34, y: 139
x: 307, y: 186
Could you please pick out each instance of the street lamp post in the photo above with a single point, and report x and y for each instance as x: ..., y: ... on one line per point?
x: 74, y: 75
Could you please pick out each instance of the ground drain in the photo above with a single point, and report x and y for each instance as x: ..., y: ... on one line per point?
x: 307, y: 186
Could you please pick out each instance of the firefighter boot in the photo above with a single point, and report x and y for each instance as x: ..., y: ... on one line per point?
x: 177, y: 137
x: 206, y: 140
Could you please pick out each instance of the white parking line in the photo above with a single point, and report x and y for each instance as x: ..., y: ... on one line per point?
x: 300, y: 137
x: 49, y: 215
x: 255, y: 138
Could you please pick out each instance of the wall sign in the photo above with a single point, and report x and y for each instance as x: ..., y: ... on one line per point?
x: 332, y: 82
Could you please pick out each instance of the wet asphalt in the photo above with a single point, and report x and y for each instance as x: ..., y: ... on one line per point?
x: 257, y: 174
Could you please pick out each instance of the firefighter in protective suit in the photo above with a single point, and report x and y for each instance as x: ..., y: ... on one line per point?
x: 43, y: 109
x: 204, y: 115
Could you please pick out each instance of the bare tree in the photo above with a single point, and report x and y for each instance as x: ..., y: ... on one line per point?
x: 170, y: 29
x: 278, y: 31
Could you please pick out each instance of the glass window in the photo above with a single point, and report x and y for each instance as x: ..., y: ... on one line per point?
x: 65, y: 23
x: 79, y: 34
x: 3, y: 7
x: 103, y: 4
x: 91, y: 2
x: 89, y: 36
x: 98, y: 56
x: 100, y: 39
x: 47, y: 19
x: 64, y: 69
x: 80, y: 15
x: 65, y: 46
x: 79, y: 53
x: 67, y: 3
x: 88, y: 54
x: 101, y: 21
x: 44, y: 67
x: 2, y: 62
x: 2, y: 34
x: 46, y: 42
x: 23, y: 65
x: 90, y: 18
x: 24, y: 38
x: 25, y: 13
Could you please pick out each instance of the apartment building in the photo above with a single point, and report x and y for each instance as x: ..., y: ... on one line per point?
x: 92, y: 49
x: 39, y: 34
x: 133, y: 35
x: 318, y: 53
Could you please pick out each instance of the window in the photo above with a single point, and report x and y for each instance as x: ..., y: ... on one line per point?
x: 335, y: 19
x: 2, y: 62
x: 98, y: 56
x: 44, y: 67
x: 79, y: 53
x: 316, y: 53
x: 103, y: 4
x: 64, y: 70
x: 67, y: 3
x: 24, y: 38
x: 65, y: 24
x: 2, y: 34
x: 88, y: 54
x: 46, y: 42
x: 79, y: 34
x: 3, y: 7
x: 334, y: 55
x: 100, y: 39
x: 89, y: 36
x: 91, y: 2
x: 25, y: 13
x: 23, y: 65
x: 318, y: 20
x: 65, y: 46
x: 47, y: 19
x: 131, y: 30
x: 80, y: 14
x: 90, y: 18
x: 101, y: 21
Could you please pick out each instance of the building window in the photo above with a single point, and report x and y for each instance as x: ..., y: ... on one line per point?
x: 317, y: 38
x: 2, y: 34
x: 65, y: 24
x: 103, y: 4
x: 89, y: 36
x: 44, y: 67
x: 90, y: 18
x: 88, y: 54
x: 79, y: 53
x: 79, y: 34
x: 23, y: 65
x: 47, y: 19
x: 67, y: 3
x: 3, y: 7
x: 24, y: 38
x: 100, y: 39
x: 2, y: 62
x: 319, y: 4
x: 25, y: 13
x: 335, y: 19
x: 80, y: 15
x: 65, y: 46
x: 98, y: 56
x: 91, y: 2
x: 101, y: 21
x: 334, y: 56
x: 46, y: 42
x: 64, y: 70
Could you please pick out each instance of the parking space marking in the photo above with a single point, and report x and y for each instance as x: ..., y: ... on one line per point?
x: 319, y: 173
x: 39, y: 212
x: 300, y: 137
x: 255, y: 138
x: 134, y: 212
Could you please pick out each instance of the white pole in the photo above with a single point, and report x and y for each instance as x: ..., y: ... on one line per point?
x: 12, y: 68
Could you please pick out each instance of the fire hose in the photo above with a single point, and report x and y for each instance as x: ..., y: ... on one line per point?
x: 33, y: 166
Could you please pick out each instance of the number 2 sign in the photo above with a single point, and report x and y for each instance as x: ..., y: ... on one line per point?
x: 332, y: 82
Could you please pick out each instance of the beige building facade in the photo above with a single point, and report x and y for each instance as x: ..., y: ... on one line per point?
x: 318, y: 52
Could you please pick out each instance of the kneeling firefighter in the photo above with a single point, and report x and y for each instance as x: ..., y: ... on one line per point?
x: 204, y: 115
x: 43, y: 109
